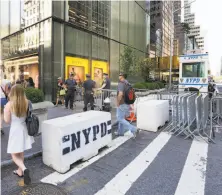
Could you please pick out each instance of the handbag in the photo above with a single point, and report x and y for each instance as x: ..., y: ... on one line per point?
x: 62, y: 92
x: 32, y: 122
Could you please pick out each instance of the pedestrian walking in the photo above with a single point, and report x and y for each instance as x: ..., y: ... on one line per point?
x: 5, y: 89
x: 30, y: 83
x: 60, y: 92
x: 106, y: 84
x: 123, y: 108
x: 15, y: 113
x: 71, y: 86
x: 88, y: 87
x: 211, y: 90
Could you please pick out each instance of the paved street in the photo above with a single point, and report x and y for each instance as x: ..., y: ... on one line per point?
x: 152, y: 164
x: 37, y: 146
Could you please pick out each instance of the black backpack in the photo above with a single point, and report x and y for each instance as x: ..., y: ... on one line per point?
x: 129, y: 94
x: 32, y: 122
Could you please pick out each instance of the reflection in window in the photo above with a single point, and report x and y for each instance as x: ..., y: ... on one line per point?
x: 193, y: 69
x: 98, y: 21
x: 78, y: 13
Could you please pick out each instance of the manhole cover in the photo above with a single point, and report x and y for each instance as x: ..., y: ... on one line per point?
x: 39, y: 189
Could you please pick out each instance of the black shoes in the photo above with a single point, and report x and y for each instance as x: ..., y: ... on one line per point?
x: 27, y: 179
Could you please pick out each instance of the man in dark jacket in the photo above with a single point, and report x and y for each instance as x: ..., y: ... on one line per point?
x: 71, y: 86
x: 88, y: 87
x: 211, y: 90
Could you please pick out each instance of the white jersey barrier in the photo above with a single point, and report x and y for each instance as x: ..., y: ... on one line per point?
x: 152, y: 114
x: 71, y: 138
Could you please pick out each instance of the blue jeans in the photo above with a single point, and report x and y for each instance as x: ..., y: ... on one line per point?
x: 123, y: 124
x: 3, y: 102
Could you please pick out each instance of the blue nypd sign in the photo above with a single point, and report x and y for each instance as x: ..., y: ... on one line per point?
x: 192, y: 80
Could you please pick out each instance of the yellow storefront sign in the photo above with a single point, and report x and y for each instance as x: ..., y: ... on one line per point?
x: 98, y: 68
x: 78, y: 66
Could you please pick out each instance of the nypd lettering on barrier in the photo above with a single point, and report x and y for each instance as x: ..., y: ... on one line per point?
x: 98, y: 131
x: 68, y: 139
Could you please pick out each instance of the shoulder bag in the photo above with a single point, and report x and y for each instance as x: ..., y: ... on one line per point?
x: 32, y: 122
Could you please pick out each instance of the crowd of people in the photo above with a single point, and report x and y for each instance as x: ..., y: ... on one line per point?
x: 15, y: 105
x: 66, y: 90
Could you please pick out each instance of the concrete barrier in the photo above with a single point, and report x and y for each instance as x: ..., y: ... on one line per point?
x: 152, y: 114
x: 75, y: 137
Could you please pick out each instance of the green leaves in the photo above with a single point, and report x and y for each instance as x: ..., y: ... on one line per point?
x: 128, y: 61
x: 186, y: 27
x: 133, y: 66
x: 146, y: 68
x: 34, y: 95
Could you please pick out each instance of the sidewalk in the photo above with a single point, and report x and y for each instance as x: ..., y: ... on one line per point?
x: 37, y: 146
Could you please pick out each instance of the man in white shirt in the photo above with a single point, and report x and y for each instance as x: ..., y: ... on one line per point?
x: 5, y: 89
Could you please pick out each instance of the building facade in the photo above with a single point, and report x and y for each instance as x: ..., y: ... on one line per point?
x: 179, y: 33
x: 161, y: 37
x: 161, y: 18
x: 189, y: 18
x: 47, y: 39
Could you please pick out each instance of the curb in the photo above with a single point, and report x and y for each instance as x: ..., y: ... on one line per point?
x: 26, y: 157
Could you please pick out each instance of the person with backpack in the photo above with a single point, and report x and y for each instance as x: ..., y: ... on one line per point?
x: 15, y: 113
x: 125, y: 97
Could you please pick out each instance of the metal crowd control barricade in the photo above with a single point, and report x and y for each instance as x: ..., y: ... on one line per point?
x: 167, y: 96
x: 101, y: 95
x: 191, y: 115
x: 142, y: 92
x: 182, y: 117
x: 182, y: 122
x: 78, y: 94
x: 184, y: 114
x: 173, y: 124
x: 202, y: 115
x: 215, y: 114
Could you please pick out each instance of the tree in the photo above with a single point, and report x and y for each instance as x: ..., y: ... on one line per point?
x: 146, y: 68
x: 186, y: 28
x: 127, y: 61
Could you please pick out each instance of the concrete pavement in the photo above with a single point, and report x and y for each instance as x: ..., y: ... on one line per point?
x: 134, y: 169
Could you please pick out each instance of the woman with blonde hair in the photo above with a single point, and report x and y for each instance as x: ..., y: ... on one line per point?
x: 15, y: 113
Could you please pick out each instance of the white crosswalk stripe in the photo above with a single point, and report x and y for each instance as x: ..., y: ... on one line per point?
x: 191, y: 179
x: 56, y: 177
x: 123, y: 181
